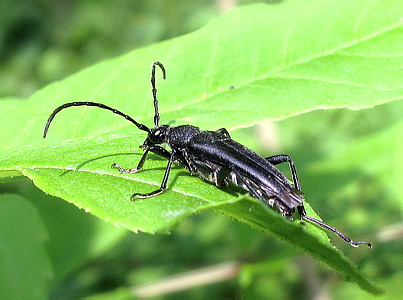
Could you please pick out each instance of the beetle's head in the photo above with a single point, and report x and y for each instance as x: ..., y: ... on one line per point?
x: 158, y: 134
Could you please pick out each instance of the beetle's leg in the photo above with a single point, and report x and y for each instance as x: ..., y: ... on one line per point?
x: 153, y: 148
x: 222, y: 174
x: 133, y: 170
x: 183, y: 157
x: 224, y: 132
x: 160, y: 151
x: 163, y: 184
x: 278, y: 159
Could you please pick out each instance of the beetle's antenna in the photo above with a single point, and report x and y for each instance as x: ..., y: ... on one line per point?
x: 154, y: 90
x: 100, y: 105
x: 302, y: 212
x: 333, y: 229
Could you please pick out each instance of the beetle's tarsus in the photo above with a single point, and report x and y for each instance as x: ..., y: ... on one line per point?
x: 356, y: 244
x: 123, y: 170
x: 147, y: 195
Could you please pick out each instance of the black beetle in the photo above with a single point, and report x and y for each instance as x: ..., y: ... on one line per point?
x: 215, y: 157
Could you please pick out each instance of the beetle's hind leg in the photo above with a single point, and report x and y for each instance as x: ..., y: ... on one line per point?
x: 278, y: 159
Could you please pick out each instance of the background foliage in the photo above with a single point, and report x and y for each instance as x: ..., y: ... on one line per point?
x: 347, y: 161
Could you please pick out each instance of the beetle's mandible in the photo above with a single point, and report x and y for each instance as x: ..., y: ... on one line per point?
x: 215, y: 157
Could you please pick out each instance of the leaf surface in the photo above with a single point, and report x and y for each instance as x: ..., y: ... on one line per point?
x: 253, y: 63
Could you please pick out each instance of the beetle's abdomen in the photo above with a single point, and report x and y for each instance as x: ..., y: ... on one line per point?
x: 284, y: 200
x: 221, y: 160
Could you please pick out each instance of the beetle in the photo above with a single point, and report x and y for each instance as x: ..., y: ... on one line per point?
x: 215, y: 157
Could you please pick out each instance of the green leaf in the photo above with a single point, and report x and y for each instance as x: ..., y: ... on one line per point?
x: 78, y: 233
x: 282, y: 60
x: 272, y: 223
x: 25, y: 266
x: 80, y: 176
x: 253, y: 63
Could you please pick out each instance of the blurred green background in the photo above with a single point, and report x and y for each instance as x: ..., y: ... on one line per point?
x: 347, y: 163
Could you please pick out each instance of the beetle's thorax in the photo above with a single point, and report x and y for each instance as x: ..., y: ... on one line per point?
x: 180, y: 136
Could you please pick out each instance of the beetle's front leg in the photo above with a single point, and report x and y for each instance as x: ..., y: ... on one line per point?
x: 133, y: 170
x: 163, y: 184
x: 155, y: 149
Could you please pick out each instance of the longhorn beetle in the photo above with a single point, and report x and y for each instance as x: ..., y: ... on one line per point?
x: 215, y: 157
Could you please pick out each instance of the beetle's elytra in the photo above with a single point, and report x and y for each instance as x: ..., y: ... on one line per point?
x: 215, y: 157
